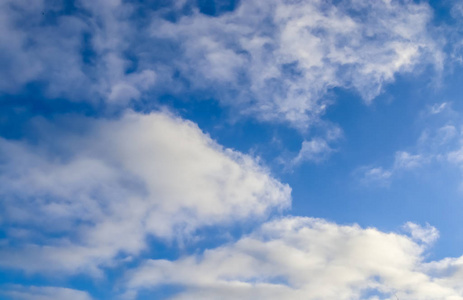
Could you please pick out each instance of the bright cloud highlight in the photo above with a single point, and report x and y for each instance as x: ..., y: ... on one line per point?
x: 141, y: 175
x: 305, y: 258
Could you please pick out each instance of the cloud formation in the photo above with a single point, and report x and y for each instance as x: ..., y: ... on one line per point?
x: 314, y: 150
x: 142, y: 175
x: 80, y: 195
x: 281, y: 57
x: 274, y: 60
x: 305, y: 258
x: 440, y: 143
x: 427, y: 234
x: 74, y: 49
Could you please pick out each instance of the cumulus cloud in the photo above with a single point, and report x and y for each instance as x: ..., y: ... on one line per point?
x: 18, y: 292
x: 449, y: 270
x: 305, y: 258
x: 69, y: 200
x: 274, y: 60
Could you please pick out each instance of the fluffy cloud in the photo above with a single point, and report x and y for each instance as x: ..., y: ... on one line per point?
x: 274, y: 60
x: 75, y: 50
x: 427, y: 234
x: 280, y: 57
x: 449, y: 272
x: 69, y: 200
x: 305, y: 258
x: 18, y: 292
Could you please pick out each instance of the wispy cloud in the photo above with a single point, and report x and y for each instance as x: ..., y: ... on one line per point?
x: 274, y: 60
x: 314, y: 150
x: 440, y: 142
x: 403, y: 161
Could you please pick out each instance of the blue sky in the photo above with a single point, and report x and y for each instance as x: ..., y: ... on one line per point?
x: 231, y: 149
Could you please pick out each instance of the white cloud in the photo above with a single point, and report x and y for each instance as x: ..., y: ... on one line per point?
x: 77, y: 56
x: 438, y: 108
x: 18, y: 292
x: 376, y: 174
x: 274, y: 60
x: 450, y: 272
x: 319, y: 148
x: 403, y: 161
x: 314, y: 150
x: 280, y: 57
x: 304, y: 258
x: 141, y: 175
x: 427, y: 234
